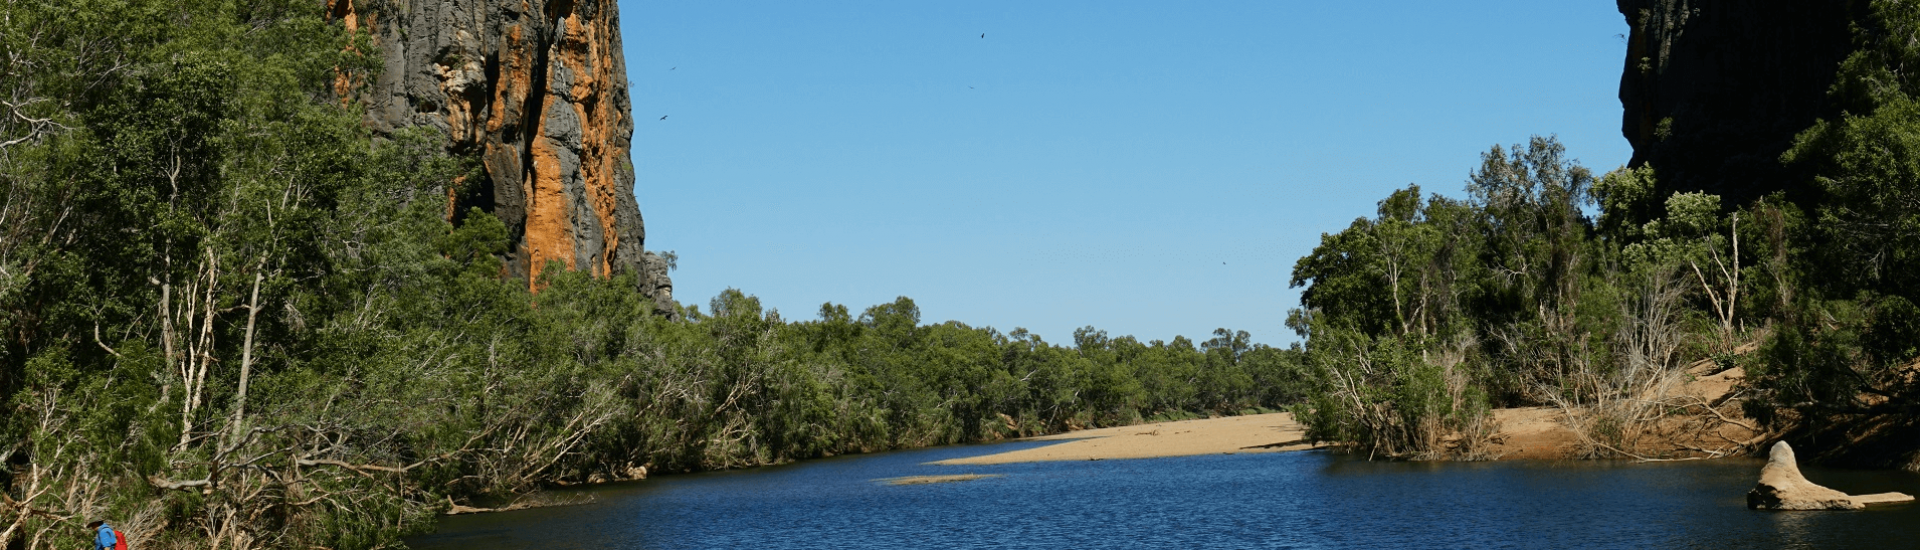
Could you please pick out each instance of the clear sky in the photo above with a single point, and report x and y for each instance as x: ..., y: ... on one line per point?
x: 1148, y: 168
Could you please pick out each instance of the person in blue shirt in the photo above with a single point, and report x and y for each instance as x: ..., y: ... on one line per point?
x: 103, y: 538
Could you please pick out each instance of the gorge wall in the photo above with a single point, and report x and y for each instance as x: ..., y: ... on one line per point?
x: 537, y: 90
x: 1715, y: 90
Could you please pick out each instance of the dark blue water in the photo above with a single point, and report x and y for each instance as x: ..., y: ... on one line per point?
x: 1274, y: 500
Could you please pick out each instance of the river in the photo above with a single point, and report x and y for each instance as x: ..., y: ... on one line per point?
x: 1313, y: 499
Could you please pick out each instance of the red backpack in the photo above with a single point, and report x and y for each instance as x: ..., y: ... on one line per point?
x: 119, y: 540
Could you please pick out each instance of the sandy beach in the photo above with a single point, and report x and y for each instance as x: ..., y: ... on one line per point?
x: 1528, y: 433
x: 1531, y: 433
x: 1234, y: 434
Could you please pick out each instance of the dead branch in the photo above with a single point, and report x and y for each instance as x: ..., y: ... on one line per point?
x: 171, y: 485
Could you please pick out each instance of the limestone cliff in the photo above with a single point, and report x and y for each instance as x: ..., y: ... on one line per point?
x: 537, y: 90
x: 1715, y: 90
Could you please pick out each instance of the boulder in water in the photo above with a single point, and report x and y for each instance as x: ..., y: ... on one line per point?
x: 1783, y: 488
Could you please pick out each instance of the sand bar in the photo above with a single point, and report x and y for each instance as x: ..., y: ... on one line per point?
x: 1530, y: 433
x: 1525, y: 433
x: 1234, y: 434
x: 923, y: 480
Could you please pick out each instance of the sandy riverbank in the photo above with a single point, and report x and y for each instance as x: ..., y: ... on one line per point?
x: 1233, y: 434
x: 1530, y: 433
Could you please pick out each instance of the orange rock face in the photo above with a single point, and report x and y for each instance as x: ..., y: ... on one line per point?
x: 538, y: 92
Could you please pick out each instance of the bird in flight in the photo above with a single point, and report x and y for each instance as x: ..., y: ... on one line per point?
x: 663, y: 117
x: 673, y: 68
x: 983, y: 35
x: 969, y: 87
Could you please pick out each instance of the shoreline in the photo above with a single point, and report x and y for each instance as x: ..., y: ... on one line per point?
x: 1525, y: 433
x: 1258, y: 433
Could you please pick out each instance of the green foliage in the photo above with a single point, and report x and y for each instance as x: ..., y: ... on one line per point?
x: 1551, y: 307
x: 1384, y: 395
x: 1419, y: 250
x: 1626, y: 197
x: 230, y: 314
x: 1422, y: 317
x: 222, y: 298
x: 1529, y: 204
x: 1840, y: 265
x: 1868, y: 168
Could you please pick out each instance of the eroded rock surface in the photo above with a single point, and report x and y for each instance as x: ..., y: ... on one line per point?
x: 537, y: 89
x: 1782, y: 487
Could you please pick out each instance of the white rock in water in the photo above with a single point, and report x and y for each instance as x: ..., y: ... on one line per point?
x: 1783, y: 488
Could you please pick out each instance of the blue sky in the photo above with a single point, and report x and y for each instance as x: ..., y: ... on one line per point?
x: 1148, y: 168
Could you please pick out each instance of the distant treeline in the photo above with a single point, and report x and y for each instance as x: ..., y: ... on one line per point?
x: 232, y: 318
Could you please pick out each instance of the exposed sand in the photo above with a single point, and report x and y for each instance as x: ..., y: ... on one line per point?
x: 1233, y: 434
x: 1533, y: 433
x: 922, y: 480
x: 1528, y: 433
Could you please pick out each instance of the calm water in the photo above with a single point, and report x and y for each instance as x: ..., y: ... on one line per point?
x: 1283, y: 500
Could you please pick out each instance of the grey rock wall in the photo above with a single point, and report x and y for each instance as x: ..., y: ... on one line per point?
x: 537, y: 89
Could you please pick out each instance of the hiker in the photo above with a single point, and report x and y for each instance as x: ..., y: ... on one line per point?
x: 105, y: 537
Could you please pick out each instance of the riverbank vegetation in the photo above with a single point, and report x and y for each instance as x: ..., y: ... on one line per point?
x: 1547, y: 285
x: 233, y: 318
x: 1515, y: 296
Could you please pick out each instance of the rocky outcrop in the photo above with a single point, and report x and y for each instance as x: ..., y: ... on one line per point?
x: 1782, y: 487
x: 1715, y: 90
x: 537, y: 90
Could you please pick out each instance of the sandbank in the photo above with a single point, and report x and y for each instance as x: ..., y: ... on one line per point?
x: 1526, y: 433
x: 922, y: 480
x: 1234, y: 434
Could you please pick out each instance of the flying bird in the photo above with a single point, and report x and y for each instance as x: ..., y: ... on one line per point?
x: 983, y: 35
x: 673, y: 68
x: 663, y: 117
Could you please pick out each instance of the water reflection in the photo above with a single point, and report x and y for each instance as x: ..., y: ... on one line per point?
x: 1792, y: 529
x: 1288, y: 500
